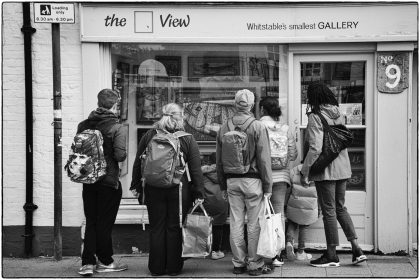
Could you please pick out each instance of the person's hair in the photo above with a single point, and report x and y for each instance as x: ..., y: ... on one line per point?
x: 271, y: 107
x: 107, y: 98
x: 319, y: 94
x: 167, y: 122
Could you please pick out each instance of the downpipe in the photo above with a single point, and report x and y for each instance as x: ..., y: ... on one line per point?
x: 29, y: 206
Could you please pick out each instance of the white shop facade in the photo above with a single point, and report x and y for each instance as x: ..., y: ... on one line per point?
x: 199, y: 56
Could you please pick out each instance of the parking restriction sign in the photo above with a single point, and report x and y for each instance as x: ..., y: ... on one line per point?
x: 53, y: 13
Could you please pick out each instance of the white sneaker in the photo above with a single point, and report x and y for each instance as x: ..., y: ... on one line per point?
x: 303, y: 256
x: 217, y: 255
x: 290, y: 253
x: 113, y: 267
x: 277, y: 262
x: 86, y: 270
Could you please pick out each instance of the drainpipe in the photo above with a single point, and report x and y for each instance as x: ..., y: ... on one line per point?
x: 29, y: 206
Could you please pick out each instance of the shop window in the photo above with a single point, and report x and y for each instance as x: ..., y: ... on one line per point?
x: 347, y: 81
x: 203, y: 78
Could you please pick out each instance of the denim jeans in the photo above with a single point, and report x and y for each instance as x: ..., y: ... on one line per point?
x: 331, y: 197
x: 245, y: 197
x: 292, y: 227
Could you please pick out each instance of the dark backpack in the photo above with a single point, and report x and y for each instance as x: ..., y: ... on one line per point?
x: 235, y: 152
x: 86, y: 163
x: 162, y: 162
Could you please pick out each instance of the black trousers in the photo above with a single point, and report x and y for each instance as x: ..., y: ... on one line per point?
x: 100, y: 205
x: 217, y: 237
x: 165, y: 233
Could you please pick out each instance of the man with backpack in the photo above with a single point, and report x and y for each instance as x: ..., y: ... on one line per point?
x: 244, y: 171
x: 101, y: 195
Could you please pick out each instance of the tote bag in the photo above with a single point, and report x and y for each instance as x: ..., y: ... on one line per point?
x: 197, y: 234
x: 271, y: 240
x: 336, y: 138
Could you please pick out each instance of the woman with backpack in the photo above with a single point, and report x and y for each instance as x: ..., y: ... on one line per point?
x: 283, y: 150
x: 162, y: 198
x: 332, y: 181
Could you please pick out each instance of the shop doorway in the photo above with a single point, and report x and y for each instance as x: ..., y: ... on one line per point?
x: 351, y: 78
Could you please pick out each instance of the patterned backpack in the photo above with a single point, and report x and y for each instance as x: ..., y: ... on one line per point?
x: 235, y: 152
x: 277, y: 136
x: 86, y: 163
x: 162, y: 162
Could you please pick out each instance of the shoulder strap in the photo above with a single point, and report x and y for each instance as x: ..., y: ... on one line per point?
x: 230, y: 125
x: 248, y: 123
x: 323, y: 120
x: 181, y: 133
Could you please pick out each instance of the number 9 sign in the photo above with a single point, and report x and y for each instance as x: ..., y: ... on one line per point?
x: 393, y: 69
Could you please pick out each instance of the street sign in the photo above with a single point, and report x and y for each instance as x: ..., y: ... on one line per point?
x: 53, y: 13
x: 393, y: 71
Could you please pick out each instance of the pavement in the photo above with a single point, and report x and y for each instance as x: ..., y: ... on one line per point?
x: 376, y: 267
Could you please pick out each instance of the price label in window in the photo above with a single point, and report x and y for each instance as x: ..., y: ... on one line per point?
x: 393, y: 70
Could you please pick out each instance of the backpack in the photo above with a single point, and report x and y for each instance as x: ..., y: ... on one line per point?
x: 86, y: 163
x: 162, y: 162
x: 235, y: 152
x: 279, y: 146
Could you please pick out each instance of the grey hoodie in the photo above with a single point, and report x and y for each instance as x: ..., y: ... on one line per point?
x: 338, y: 169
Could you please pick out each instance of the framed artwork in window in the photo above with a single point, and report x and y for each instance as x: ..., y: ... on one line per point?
x: 258, y: 69
x: 171, y: 63
x: 199, y: 67
x: 149, y: 103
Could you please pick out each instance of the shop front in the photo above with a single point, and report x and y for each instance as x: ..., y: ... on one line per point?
x: 200, y: 55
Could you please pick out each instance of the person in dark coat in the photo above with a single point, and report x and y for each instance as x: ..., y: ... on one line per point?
x: 163, y: 203
x: 101, y: 200
x: 215, y: 204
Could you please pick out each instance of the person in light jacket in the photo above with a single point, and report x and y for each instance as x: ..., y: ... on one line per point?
x: 271, y: 112
x: 246, y: 191
x: 302, y: 211
x: 331, y: 183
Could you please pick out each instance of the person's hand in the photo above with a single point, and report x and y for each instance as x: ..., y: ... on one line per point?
x: 225, y: 195
x: 135, y: 193
x: 198, y: 200
x: 304, y: 180
x: 267, y: 195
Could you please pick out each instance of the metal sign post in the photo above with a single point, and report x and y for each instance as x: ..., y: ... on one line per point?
x: 56, y: 13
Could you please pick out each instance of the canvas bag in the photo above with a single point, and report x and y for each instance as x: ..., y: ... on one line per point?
x: 336, y: 138
x: 277, y: 136
x: 271, y: 240
x: 197, y: 235
x: 235, y: 152
x: 162, y: 162
x: 86, y: 163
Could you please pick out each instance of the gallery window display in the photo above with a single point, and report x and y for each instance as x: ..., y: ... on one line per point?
x: 202, y: 78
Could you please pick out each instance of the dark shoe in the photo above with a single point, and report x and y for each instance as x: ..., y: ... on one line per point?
x: 174, y: 273
x: 323, y: 261
x: 265, y: 269
x: 358, y: 256
x: 156, y: 274
x: 239, y: 269
x: 278, y: 261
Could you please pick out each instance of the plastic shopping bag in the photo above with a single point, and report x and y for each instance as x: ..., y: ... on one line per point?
x: 271, y: 240
x: 197, y: 234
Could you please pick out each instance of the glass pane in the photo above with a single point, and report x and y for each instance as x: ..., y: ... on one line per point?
x: 203, y: 78
x: 347, y: 81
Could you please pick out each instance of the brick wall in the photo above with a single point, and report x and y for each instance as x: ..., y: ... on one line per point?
x: 14, y: 118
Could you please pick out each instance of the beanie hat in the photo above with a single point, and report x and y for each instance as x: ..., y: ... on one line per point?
x: 107, y: 98
x: 244, y: 99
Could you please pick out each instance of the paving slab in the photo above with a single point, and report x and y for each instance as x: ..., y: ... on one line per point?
x: 389, y: 269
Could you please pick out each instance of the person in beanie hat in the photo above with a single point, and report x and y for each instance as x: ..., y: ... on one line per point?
x: 245, y: 191
x: 101, y: 200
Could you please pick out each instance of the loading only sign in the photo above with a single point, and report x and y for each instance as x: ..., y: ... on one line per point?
x: 53, y: 13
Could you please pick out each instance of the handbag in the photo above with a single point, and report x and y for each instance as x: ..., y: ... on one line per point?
x: 271, y: 240
x: 336, y: 138
x: 197, y: 234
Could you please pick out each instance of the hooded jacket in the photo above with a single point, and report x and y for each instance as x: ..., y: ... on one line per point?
x: 282, y: 175
x: 339, y: 168
x: 114, y: 135
x: 259, y: 152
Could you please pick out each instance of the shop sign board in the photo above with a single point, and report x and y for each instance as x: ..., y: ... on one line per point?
x: 53, y: 13
x: 248, y: 24
x: 393, y: 71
